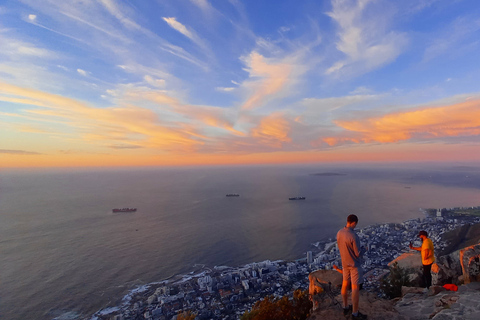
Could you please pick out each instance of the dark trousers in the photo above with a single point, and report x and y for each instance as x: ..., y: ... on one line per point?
x: 427, y: 275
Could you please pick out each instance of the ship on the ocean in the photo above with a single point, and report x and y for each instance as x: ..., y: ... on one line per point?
x: 297, y: 198
x: 233, y: 195
x: 124, y: 210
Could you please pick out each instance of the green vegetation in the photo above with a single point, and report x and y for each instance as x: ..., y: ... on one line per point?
x: 392, y: 284
x: 463, y: 211
x: 270, y: 308
x: 472, y: 212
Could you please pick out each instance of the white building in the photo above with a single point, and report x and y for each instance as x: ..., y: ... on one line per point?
x: 245, y: 284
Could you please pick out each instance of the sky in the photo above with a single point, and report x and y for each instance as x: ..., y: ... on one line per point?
x: 208, y: 82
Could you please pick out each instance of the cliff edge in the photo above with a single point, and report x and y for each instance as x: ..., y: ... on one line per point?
x: 461, y: 267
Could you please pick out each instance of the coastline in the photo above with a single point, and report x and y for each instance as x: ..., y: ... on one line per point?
x: 280, y: 274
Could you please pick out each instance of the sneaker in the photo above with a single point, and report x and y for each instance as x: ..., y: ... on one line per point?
x: 347, y: 310
x: 359, y: 315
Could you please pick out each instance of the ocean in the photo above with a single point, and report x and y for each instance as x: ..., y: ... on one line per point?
x: 65, y: 255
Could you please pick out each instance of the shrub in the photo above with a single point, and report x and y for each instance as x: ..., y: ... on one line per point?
x: 270, y: 308
x: 392, y: 284
x: 186, y: 315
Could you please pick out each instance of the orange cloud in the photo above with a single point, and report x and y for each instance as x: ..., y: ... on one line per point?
x: 104, y: 123
x: 274, y: 77
x: 273, y: 130
x: 211, y: 116
x: 357, y: 153
x: 462, y: 119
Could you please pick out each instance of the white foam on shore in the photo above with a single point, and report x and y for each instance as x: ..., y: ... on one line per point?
x: 107, y: 311
x: 125, y: 300
x: 70, y: 315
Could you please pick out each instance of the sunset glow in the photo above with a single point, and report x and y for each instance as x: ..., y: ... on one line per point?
x: 119, y: 83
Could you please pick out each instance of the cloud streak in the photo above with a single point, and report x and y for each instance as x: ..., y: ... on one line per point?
x: 457, y: 120
x: 271, y: 77
x: 273, y: 131
x: 361, y: 38
x: 187, y: 32
x: 19, y: 152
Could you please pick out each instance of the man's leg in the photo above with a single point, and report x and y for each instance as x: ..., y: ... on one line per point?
x: 355, y: 298
x: 427, y: 275
x: 345, y: 285
x: 357, y: 279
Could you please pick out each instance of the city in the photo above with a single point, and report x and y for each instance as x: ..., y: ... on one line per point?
x: 226, y: 292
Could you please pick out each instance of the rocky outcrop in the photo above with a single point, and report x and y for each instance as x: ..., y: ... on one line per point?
x: 408, y: 260
x: 470, y: 261
x: 370, y: 304
x: 323, y: 286
x: 416, y: 304
x: 412, y: 263
x: 462, y: 304
x: 321, y: 278
x: 462, y: 266
x: 450, y: 269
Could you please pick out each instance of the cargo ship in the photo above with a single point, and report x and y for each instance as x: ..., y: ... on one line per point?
x: 297, y: 198
x: 124, y: 210
x: 233, y: 195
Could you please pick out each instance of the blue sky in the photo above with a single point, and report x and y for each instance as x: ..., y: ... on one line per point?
x: 198, y: 81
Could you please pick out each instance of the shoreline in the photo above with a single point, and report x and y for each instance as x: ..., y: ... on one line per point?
x: 151, y: 297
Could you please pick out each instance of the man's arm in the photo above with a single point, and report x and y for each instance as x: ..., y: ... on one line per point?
x: 415, y: 248
x: 356, y: 246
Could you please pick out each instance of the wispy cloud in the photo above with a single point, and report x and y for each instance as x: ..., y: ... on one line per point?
x: 18, y: 152
x: 363, y: 38
x: 96, y: 124
x: 273, y: 131
x: 204, y: 5
x: 207, y: 77
x: 187, y: 32
x: 82, y: 72
x: 268, y: 76
x: 160, y: 83
x: 457, y: 120
x: 172, y: 22
x: 13, y: 48
x: 124, y: 146
x: 115, y: 10
x: 454, y: 39
x: 225, y: 89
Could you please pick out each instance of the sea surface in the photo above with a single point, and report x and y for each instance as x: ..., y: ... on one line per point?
x: 65, y: 255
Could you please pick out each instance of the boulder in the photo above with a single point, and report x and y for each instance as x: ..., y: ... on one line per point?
x: 408, y: 260
x: 470, y: 260
x: 450, y: 269
x: 412, y: 290
x: 412, y: 263
x: 321, y: 279
x: 434, y: 290
x: 322, y: 284
x: 370, y: 304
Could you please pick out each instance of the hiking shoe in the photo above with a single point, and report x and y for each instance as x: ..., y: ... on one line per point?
x: 359, y: 316
x: 347, y: 310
